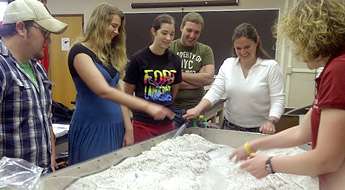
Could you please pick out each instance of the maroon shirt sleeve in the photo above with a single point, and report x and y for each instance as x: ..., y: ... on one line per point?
x: 330, y: 91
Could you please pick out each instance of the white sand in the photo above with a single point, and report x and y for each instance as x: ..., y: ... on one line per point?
x: 190, y: 162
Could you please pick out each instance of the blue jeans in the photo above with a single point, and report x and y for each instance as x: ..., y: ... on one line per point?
x: 178, y: 120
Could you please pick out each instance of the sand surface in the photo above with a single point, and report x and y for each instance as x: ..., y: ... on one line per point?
x: 190, y: 162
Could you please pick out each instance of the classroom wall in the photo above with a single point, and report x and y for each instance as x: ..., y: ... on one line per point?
x: 300, y: 87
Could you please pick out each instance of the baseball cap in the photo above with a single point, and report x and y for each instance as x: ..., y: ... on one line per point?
x: 25, y: 10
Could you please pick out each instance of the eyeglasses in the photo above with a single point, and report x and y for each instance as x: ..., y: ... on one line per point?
x: 44, y: 32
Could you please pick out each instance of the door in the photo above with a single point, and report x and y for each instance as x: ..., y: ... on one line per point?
x: 64, y: 91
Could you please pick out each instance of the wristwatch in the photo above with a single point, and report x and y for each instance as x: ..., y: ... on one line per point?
x: 268, y: 166
x: 274, y: 122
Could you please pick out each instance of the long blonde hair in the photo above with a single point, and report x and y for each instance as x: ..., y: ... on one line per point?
x: 96, y: 35
x: 316, y: 27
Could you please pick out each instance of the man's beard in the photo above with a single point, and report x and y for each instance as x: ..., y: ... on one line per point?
x: 38, y: 56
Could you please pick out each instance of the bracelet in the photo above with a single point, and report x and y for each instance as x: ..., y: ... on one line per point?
x: 248, y: 150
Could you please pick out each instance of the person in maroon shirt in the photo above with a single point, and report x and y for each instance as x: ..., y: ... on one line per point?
x: 317, y: 29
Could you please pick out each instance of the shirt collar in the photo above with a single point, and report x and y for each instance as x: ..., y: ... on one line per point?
x: 186, y: 47
x: 259, y: 61
x: 3, y: 49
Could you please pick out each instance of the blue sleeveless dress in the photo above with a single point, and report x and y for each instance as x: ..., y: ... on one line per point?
x: 97, y: 125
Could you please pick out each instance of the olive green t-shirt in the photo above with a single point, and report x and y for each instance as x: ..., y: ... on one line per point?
x: 193, y: 59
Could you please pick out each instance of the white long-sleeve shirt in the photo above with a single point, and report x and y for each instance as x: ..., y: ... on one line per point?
x: 253, y: 99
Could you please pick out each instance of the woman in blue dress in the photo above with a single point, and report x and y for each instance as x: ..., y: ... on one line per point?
x: 96, y: 61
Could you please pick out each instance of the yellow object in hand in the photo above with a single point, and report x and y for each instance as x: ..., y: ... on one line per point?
x: 248, y: 150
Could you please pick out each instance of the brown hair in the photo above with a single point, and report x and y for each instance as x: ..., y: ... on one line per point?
x: 193, y: 17
x: 248, y: 31
x: 160, y: 19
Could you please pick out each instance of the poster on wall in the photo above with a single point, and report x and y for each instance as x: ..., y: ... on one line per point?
x: 65, y: 44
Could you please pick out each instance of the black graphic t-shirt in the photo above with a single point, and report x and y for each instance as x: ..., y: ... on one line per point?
x: 153, y: 75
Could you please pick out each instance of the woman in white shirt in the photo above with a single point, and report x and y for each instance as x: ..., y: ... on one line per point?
x: 254, y: 85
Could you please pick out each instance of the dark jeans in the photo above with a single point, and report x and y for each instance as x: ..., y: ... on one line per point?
x: 178, y: 120
x: 230, y: 126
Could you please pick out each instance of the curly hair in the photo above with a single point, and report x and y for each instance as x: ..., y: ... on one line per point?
x: 96, y: 32
x: 316, y: 27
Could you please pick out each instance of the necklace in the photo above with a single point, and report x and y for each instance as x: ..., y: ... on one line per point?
x: 247, y: 68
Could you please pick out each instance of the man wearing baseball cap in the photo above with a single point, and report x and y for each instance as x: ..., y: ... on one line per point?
x: 25, y: 90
